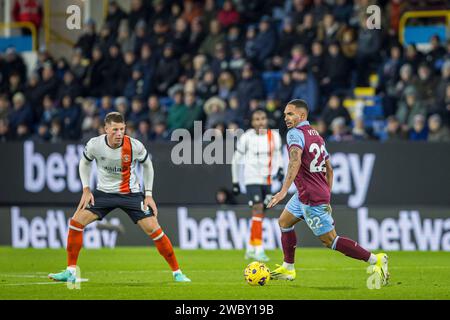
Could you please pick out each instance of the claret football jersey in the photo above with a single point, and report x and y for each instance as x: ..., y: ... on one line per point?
x: 311, y: 179
x: 116, y: 167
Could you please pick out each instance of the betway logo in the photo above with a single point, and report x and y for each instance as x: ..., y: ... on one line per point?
x: 225, y: 231
x: 51, y: 231
x: 407, y: 233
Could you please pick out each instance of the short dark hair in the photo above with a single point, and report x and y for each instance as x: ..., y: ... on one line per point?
x: 258, y: 110
x: 299, y: 103
x: 114, y: 117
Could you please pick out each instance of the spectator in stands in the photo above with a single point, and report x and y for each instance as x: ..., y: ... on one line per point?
x: 215, y: 110
x: 105, y: 38
x: 444, y: 80
x: 337, y: 70
x: 359, y: 130
x: 250, y: 87
x: 148, y: 63
x: 196, y: 36
x: 228, y: 15
x: 194, y: 110
x: 339, y: 131
x: 114, y: 17
x: 56, y: 131
x: 265, y: 41
x: 285, y: 88
x: 408, y: 108
x: 342, y: 11
x: 49, y: 110
x: 393, y: 130
x: 207, y: 87
x: 287, y: 39
x: 70, y: 86
x: 369, y: 45
x: 349, y: 46
x: 407, y: 79
x: 121, y: 105
x: 232, y: 114
x: 444, y: 105
x: 20, y: 114
x: 87, y: 40
x: 219, y: 61
x: 214, y: 37
x: 299, y: 59
x: 316, y: 63
x: 70, y: 115
x: 237, y: 61
x: 436, y: 53
x: 160, y: 133
x: 419, y: 131
x: 180, y: 37
x: 388, y: 76
x: 426, y: 84
x: 322, y: 128
x: 14, y: 63
x: 106, y: 106
x: 78, y: 65
x: 137, y: 85
x: 437, y: 132
x: 155, y: 113
x: 167, y: 70
x: 4, y: 106
x: 126, y: 70
x: 49, y: 83
x: 95, y: 81
x: 138, y: 12
x: 5, y: 134
x: 115, y: 63
x: 28, y: 11
x: 305, y: 87
x: 138, y: 112
x: 225, y: 85
x: 22, y: 132
x: 234, y: 39
x: 178, y: 112
x: 43, y: 134
x: 329, y: 30
x: 306, y: 31
x: 413, y: 57
x: 124, y: 38
x: 143, y: 132
x: 14, y: 85
x: 335, y: 109
x: 88, y: 115
x: 140, y: 36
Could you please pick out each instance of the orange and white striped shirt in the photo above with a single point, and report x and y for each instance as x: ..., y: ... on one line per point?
x: 116, y: 167
x: 260, y: 154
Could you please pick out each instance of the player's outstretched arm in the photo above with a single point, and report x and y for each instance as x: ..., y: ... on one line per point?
x: 329, y: 173
x: 85, y: 173
x: 148, y: 185
x: 295, y: 160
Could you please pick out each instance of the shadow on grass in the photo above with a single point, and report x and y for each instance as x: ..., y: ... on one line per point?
x: 331, y: 288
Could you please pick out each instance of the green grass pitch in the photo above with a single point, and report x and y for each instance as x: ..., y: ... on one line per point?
x: 140, y: 273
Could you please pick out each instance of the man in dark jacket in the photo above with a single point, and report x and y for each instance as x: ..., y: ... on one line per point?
x: 250, y: 87
x: 265, y: 41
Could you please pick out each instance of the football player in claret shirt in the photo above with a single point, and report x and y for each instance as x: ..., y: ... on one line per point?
x: 259, y: 150
x: 116, y: 156
x: 310, y: 169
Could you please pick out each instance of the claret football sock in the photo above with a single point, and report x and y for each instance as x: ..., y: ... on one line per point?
x: 256, y: 230
x: 289, y: 242
x: 164, y: 246
x: 74, y: 242
x: 350, y: 248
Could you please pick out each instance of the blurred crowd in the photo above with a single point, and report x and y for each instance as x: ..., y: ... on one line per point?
x: 166, y: 64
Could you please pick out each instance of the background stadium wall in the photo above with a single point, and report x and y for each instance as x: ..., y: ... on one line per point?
x: 373, y: 174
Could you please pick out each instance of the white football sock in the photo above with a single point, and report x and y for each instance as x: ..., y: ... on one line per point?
x: 259, y: 249
x: 250, y: 248
x: 176, y: 271
x: 372, y: 259
x: 288, y: 266
x: 73, y: 270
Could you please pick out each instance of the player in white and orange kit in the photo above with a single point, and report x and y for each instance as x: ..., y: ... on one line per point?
x: 116, y: 155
